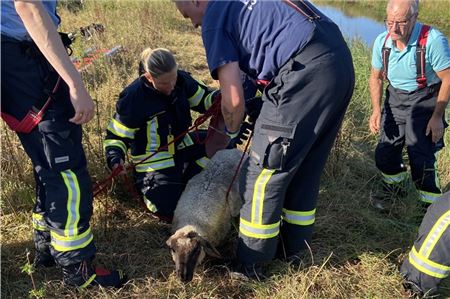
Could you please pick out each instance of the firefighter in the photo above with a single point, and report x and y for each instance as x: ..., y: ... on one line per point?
x: 428, y: 261
x: 415, y: 60
x: 300, y: 56
x: 45, y: 102
x: 153, y: 110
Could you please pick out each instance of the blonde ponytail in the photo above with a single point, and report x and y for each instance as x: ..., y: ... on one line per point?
x: 158, y: 61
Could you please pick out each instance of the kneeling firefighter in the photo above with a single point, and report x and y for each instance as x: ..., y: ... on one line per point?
x: 150, y: 113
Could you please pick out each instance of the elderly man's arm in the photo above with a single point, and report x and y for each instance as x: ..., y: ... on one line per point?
x: 435, y: 125
x: 43, y: 32
x: 233, y: 102
x: 376, y: 91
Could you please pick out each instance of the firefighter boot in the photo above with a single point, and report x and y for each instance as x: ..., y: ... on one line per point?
x: 246, y: 272
x: 294, y: 258
x: 42, y: 257
x: 384, y: 197
x: 84, y: 274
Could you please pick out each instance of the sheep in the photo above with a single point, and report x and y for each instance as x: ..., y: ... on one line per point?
x: 203, y: 215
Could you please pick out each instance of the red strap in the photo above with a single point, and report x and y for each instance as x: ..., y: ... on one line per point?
x: 32, y: 118
x: 262, y: 83
x: 385, y: 51
x: 212, y: 111
x: 423, y: 36
x: 420, y: 56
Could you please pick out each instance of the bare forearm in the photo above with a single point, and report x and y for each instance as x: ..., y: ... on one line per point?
x: 232, y: 114
x: 376, y: 91
x: 442, y: 100
x: 233, y: 103
x: 44, y: 34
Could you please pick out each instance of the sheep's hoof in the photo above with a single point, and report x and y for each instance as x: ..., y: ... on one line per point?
x: 247, y: 272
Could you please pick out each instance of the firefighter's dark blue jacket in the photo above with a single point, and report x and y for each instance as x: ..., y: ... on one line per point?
x: 145, y: 120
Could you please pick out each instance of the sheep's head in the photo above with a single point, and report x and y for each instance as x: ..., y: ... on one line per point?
x: 188, y: 250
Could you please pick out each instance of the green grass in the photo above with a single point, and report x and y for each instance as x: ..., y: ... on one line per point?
x: 355, y: 253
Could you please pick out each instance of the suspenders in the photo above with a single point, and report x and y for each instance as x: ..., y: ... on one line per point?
x: 420, y: 57
x: 303, y: 8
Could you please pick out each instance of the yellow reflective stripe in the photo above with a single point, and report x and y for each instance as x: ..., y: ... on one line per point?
x: 394, y: 178
x: 258, y: 195
x: 202, y: 162
x: 209, y: 100
x: 88, y: 282
x: 429, y: 197
x: 150, y: 206
x: 153, y: 139
x: 120, y: 129
x: 197, y: 97
x: 38, y: 216
x: 259, y: 231
x: 156, y: 165
x: 435, y: 234
x: 187, y: 141
x: 156, y: 157
x: 115, y: 143
x: 299, y: 217
x: 73, y: 203
x: 39, y: 222
x: 427, y: 266
x: 64, y: 243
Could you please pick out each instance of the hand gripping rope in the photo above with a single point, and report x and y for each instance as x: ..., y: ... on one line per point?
x: 213, y: 111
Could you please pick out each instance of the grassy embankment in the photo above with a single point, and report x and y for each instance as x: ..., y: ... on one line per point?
x: 355, y: 252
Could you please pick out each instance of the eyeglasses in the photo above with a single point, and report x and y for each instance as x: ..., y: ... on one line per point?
x: 400, y: 24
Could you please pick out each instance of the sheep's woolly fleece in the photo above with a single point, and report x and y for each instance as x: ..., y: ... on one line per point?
x: 203, y: 205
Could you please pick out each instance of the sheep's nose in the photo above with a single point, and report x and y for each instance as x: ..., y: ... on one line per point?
x: 185, y: 276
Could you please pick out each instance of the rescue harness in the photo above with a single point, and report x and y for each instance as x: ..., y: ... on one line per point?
x: 420, y: 57
x: 35, y: 114
x: 33, y: 117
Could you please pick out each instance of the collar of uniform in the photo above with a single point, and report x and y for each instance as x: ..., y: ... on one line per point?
x: 146, y: 82
x: 414, y: 34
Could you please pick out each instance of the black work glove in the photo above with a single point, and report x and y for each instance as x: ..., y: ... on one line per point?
x: 234, y: 138
x: 253, y: 107
x: 113, y: 158
x: 242, y: 135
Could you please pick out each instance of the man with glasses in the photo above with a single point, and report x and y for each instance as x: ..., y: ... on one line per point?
x: 415, y: 60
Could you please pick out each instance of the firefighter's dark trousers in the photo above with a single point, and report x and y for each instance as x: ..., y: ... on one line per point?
x: 63, y: 205
x: 429, y: 259
x: 404, y: 121
x: 162, y: 188
x: 302, y: 111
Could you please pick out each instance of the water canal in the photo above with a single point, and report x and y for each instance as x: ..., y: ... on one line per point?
x: 361, y: 25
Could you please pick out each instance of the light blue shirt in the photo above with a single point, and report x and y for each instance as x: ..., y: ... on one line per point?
x: 12, y: 25
x: 402, y: 71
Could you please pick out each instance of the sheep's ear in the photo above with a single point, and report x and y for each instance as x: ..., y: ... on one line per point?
x: 210, y: 250
x: 192, y: 235
x: 170, y: 241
